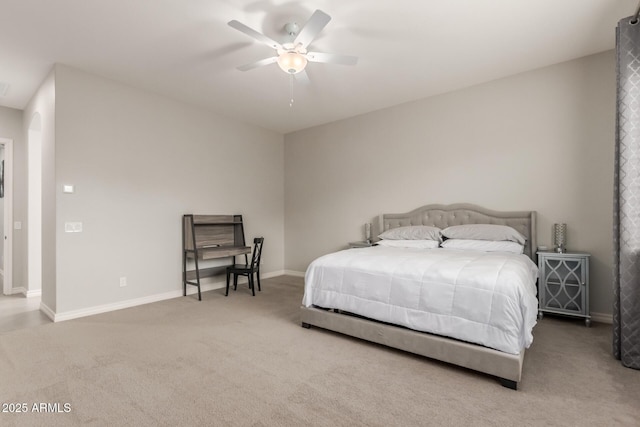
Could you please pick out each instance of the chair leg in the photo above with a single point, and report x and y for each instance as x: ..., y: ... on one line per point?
x: 235, y: 281
x: 195, y: 259
x: 251, y: 284
x: 258, y: 276
x: 184, y: 273
x: 227, y: 291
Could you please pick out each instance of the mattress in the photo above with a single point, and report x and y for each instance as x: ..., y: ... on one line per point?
x: 486, y: 298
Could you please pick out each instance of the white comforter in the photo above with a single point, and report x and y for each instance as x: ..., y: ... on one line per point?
x: 487, y: 298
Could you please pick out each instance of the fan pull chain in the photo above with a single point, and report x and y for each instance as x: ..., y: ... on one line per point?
x: 291, y: 90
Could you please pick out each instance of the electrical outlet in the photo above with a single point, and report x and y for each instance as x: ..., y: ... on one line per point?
x: 123, y: 282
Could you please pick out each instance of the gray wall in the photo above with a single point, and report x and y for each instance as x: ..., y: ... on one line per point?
x: 138, y: 162
x: 541, y: 140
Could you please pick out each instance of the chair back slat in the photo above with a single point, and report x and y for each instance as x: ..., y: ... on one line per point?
x: 257, y: 252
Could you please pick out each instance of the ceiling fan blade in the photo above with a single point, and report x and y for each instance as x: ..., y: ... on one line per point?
x: 302, y: 77
x: 257, y: 64
x: 312, y: 28
x: 254, y: 34
x: 332, y: 58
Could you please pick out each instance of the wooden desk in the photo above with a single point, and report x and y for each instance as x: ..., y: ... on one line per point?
x: 206, y: 237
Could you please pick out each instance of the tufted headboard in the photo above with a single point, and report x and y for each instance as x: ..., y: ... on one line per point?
x: 443, y: 216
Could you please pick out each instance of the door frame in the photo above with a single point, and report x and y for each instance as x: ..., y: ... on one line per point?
x: 7, y: 289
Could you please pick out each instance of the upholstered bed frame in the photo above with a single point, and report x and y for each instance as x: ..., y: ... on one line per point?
x: 507, y: 367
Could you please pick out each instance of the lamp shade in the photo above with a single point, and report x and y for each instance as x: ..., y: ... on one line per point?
x: 292, y: 62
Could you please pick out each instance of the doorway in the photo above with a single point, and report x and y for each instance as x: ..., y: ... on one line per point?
x: 6, y: 199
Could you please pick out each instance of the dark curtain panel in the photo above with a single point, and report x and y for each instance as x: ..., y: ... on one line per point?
x: 626, y: 206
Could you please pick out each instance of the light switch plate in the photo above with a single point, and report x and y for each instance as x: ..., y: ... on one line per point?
x: 67, y: 189
x: 73, y: 227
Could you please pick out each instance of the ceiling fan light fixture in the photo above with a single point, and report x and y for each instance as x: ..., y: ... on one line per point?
x: 292, y: 62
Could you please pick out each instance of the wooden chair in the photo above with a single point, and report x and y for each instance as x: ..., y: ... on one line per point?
x: 247, y: 269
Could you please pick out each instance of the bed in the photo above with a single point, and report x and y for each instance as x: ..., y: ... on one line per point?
x: 470, y: 308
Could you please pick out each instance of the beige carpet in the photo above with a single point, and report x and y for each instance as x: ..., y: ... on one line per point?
x: 246, y: 361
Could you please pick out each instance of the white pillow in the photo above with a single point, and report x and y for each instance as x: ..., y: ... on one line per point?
x: 483, y: 245
x: 419, y: 244
x: 412, y: 232
x: 483, y: 232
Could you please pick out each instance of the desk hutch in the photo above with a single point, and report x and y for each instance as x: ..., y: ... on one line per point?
x: 206, y: 237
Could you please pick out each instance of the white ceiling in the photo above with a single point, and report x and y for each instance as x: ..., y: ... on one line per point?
x: 407, y: 49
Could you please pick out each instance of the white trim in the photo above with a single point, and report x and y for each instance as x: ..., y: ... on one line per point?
x: 47, y: 311
x: 8, y: 216
x: 205, y: 285
x: 18, y: 290
x: 90, y: 311
x: 243, y: 279
x: 272, y: 274
x: 24, y: 291
x: 74, y: 314
x: 602, y: 317
x: 294, y: 273
x: 33, y: 293
x: 211, y: 285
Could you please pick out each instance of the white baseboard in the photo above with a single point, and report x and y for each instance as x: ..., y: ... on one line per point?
x: 90, y: 311
x: 294, y: 273
x: 206, y: 284
x: 47, y: 311
x: 34, y: 293
x: 602, y: 317
x: 273, y: 274
x: 18, y: 290
x: 27, y: 293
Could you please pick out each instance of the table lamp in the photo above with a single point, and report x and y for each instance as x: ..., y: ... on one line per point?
x: 560, y: 237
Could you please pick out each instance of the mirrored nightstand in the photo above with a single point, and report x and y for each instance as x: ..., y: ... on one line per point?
x: 563, y: 284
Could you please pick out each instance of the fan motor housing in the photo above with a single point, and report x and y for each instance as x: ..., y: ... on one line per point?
x: 292, y: 28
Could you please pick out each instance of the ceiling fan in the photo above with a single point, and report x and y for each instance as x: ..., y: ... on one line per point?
x: 292, y: 57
